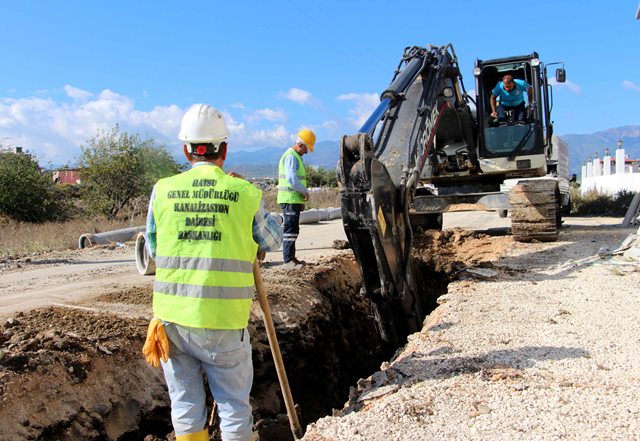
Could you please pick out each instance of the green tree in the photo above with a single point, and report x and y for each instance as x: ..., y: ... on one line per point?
x: 117, y: 167
x: 321, y: 177
x: 27, y: 193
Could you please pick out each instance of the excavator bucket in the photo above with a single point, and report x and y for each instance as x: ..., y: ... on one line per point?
x: 375, y: 217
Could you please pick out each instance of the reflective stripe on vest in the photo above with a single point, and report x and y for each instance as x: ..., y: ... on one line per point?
x: 286, y: 193
x: 205, y: 248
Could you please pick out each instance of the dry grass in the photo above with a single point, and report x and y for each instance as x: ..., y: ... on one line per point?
x: 22, y: 238
x: 320, y: 198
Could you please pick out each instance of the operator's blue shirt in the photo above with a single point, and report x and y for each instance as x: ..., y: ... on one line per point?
x: 514, y: 97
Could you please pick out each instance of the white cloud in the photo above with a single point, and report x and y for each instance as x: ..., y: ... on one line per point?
x: 572, y: 87
x: 248, y: 136
x: 299, y: 96
x: 269, y: 137
x: 267, y: 114
x: 330, y: 125
x: 631, y: 85
x: 74, y: 92
x: 232, y: 124
x: 365, y: 104
x: 54, y: 131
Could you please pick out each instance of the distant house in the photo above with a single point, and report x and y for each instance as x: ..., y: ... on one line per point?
x: 611, y: 174
x: 21, y: 151
x: 66, y: 176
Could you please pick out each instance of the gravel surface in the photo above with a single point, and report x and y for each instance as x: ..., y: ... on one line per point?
x: 543, y: 346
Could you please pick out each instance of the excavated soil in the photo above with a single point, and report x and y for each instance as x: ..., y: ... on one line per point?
x: 77, y: 373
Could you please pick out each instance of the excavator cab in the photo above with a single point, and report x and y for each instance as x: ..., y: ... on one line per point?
x: 513, y: 148
x: 511, y: 137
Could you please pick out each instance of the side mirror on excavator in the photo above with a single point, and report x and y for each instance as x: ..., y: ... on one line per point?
x: 561, y: 75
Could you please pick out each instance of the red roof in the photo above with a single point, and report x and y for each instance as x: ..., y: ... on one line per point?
x: 66, y: 177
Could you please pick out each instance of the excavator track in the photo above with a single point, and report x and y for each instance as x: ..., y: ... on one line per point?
x: 534, y: 211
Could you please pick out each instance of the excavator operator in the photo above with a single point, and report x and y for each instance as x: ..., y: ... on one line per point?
x: 511, y: 94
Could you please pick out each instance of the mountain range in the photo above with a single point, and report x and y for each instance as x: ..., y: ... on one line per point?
x: 264, y: 162
x: 583, y: 146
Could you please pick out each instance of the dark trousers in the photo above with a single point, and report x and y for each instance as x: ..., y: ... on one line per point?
x: 290, y: 230
x: 518, y: 112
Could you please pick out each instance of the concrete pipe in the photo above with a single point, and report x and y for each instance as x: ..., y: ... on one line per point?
x: 334, y: 213
x: 123, y: 235
x: 144, y: 262
x: 310, y: 216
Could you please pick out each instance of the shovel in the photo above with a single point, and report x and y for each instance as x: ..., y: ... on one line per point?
x: 275, y: 351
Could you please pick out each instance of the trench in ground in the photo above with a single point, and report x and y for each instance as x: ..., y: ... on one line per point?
x: 94, y: 385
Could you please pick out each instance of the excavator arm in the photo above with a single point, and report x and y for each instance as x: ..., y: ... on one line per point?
x: 379, y: 171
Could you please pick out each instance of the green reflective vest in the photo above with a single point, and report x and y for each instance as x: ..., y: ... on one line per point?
x: 205, y: 248
x: 286, y: 193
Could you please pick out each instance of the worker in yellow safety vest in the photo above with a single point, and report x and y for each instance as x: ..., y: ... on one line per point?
x: 204, y: 229
x: 293, y: 193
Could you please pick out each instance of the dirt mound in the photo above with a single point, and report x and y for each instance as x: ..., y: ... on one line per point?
x: 70, y: 374
x: 449, y: 251
x: 134, y: 296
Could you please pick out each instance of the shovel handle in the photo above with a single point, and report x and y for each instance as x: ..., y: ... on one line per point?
x: 275, y: 351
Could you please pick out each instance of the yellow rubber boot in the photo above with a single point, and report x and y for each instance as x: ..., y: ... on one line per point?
x: 203, y: 435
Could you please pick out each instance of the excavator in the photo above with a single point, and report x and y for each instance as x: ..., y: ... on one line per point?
x: 429, y: 147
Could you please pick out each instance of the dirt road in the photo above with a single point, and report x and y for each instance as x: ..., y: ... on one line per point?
x: 66, y: 278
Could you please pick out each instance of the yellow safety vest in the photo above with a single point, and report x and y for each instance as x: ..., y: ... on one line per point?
x: 205, y: 248
x: 286, y: 193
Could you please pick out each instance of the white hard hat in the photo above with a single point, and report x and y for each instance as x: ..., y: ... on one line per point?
x: 203, y: 123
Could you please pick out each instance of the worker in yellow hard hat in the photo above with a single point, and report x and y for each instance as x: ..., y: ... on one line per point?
x: 204, y: 229
x: 293, y: 193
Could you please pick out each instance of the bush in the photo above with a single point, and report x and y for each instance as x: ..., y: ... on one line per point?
x: 118, y: 169
x: 27, y: 193
x: 321, y: 177
x: 594, y: 203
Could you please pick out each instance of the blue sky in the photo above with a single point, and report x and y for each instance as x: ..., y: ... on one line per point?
x: 70, y: 68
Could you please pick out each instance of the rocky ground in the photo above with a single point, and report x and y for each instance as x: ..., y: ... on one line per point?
x: 542, y: 345
x: 530, y: 341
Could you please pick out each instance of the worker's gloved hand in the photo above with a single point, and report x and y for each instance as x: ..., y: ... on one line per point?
x: 261, y: 255
x: 156, y: 346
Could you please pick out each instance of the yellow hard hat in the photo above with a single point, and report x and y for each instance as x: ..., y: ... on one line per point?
x: 307, y: 137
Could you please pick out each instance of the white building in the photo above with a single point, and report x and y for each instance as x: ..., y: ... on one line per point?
x: 610, y: 174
